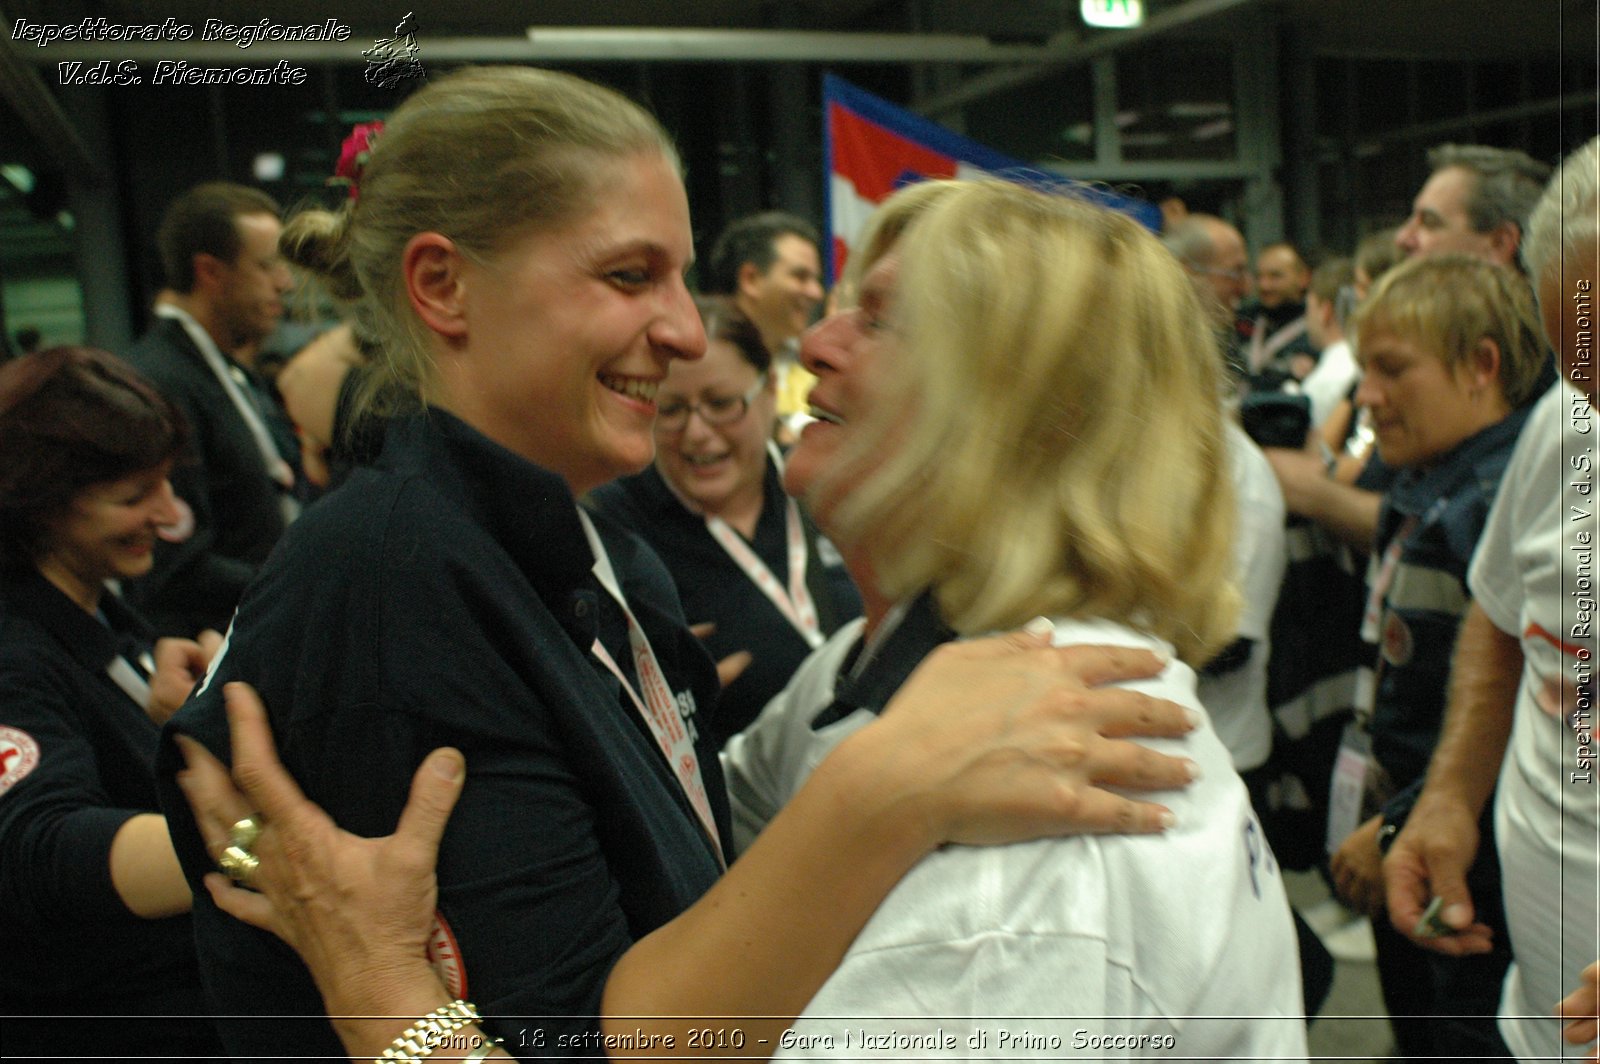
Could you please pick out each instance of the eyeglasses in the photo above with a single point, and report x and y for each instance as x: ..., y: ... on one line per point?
x: 717, y: 410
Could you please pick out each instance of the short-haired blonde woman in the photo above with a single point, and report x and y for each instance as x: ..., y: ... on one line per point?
x: 1021, y: 418
x: 517, y: 250
x: 1452, y: 360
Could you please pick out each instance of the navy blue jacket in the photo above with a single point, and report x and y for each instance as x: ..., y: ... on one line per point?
x: 76, y: 763
x: 195, y: 584
x: 1428, y: 596
x: 445, y: 596
x: 713, y: 588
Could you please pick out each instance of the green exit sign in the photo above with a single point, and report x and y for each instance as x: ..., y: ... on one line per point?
x: 1112, y: 14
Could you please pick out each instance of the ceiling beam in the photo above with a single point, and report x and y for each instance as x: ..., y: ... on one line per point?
x: 22, y: 89
x: 1188, y: 14
x: 585, y: 44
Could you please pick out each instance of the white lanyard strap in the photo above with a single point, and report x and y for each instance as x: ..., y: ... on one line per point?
x: 1381, y: 578
x: 127, y: 677
x: 1264, y: 348
x: 796, y: 605
x: 276, y: 467
x: 657, y: 706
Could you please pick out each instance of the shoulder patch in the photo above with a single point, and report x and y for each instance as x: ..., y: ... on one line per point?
x: 19, y: 755
x: 444, y: 954
x: 1397, y: 642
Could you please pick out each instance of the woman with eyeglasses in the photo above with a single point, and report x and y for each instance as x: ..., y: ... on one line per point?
x: 746, y: 559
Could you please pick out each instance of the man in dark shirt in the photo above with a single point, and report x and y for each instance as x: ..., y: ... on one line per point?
x: 219, y: 248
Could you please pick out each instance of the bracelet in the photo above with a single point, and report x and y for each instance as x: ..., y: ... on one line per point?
x: 1330, y: 461
x: 422, y: 1037
x: 482, y: 1052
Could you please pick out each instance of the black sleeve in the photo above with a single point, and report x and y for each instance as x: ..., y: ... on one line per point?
x: 565, y: 844
x: 56, y: 820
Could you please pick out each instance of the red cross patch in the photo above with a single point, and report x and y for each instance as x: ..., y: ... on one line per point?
x: 19, y: 755
x: 445, y: 955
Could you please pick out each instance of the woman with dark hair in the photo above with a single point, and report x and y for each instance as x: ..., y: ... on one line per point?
x: 88, y: 878
x: 745, y: 557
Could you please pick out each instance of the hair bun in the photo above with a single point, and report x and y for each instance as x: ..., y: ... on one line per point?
x: 318, y: 241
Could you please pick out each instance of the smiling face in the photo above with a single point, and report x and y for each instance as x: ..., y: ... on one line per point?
x: 108, y: 532
x: 1280, y: 276
x: 565, y: 337
x: 1422, y: 408
x: 716, y: 466
x: 782, y: 299
x: 844, y: 352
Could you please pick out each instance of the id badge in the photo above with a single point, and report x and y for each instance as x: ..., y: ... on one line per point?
x: 1349, y: 785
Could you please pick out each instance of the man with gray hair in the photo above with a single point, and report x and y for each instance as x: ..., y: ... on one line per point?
x: 1522, y: 685
x: 1476, y: 202
x: 1212, y: 252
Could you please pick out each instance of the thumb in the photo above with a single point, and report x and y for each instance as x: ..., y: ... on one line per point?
x: 210, y: 640
x: 434, y: 790
x: 1451, y: 887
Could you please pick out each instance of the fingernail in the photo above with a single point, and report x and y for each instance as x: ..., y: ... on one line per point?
x: 1192, y: 768
x: 1456, y: 915
x: 1196, y: 718
x: 1040, y: 626
x: 1166, y: 819
x: 447, y: 764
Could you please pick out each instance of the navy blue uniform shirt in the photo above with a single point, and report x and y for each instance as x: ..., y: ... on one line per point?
x: 445, y: 596
x: 76, y: 763
x: 713, y: 587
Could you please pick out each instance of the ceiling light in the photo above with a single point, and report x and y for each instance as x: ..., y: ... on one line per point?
x: 1112, y: 14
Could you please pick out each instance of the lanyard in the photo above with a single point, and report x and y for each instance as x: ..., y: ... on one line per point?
x: 1379, y: 582
x: 127, y: 677
x: 795, y: 605
x: 1264, y: 348
x: 276, y: 467
x: 657, y: 706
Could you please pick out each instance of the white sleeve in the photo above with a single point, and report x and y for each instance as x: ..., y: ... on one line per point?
x: 767, y: 762
x: 1259, y: 552
x: 1532, y: 478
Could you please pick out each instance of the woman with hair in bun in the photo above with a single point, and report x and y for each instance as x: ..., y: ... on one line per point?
x: 96, y: 906
x: 745, y: 557
x: 517, y: 250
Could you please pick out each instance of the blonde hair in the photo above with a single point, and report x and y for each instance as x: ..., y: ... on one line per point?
x: 1066, y: 451
x: 482, y: 156
x: 1445, y: 304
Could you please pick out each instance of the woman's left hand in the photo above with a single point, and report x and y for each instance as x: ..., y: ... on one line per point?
x: 357, y: 910
x: 1009, y: 738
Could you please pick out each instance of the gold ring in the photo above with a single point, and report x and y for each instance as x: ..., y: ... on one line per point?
x: 244, y: 833
x: 239, y: 865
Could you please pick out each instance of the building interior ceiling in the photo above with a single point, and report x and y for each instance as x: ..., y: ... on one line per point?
x: 1387, y: 28
x: 1002, y: 40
